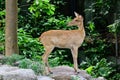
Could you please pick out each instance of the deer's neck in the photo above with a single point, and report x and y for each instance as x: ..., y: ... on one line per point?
x: 81, y: 26
x: 81, y: 29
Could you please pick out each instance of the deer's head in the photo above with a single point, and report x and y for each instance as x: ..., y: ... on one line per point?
x: 76, y: 21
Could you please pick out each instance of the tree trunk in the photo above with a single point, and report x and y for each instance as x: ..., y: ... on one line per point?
x: 11, y: 28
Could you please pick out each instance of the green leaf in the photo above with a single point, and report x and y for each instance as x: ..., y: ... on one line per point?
x: 89, y: 69
x: 37, y: 1
x: 91, y: 26
x: 46, y: 0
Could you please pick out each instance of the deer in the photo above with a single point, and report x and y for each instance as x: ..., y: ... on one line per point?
x: 71, y: 39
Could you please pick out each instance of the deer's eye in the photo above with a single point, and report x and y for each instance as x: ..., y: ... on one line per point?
x: 76, y: 20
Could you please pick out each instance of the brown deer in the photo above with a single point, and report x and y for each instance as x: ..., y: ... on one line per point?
x: 71, y: 39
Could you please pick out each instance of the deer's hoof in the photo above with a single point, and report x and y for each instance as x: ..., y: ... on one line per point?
x: 77, y: 72
x: 51, y: 72
x: 48, y: 74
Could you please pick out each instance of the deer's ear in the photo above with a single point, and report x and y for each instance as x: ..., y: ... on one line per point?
x: 80, y: 16
x: 76, y: 14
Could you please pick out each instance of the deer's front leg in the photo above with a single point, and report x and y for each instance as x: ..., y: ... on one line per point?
x: 74, y: 51
x: 48, y: 50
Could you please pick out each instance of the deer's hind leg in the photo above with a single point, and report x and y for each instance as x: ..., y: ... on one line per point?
x: 48, y: 50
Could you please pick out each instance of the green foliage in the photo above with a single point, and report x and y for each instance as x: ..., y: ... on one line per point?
x: 97, y: 67
x: 95, y: 51
x: 100, y: 10
x: 2, y: 4
x: 60, y: 57
x: 41, y: 7
x: 88, y: 63
x: 100, y: 7
x: 115, y: 30
x: 91, y: 26
x: 90, y: 69
x: 2, y: 13
x: 94, y: 38
x: 58, y: 2
x: 40, y: 17
x: 2, y: 24
x: 10, y: 60
x: 115, y: 27
x: 54, y: 61
x: 57, y: 23
x: 28, y: 46
x: 102, y: 68
x: 29, y: 64
x: 22, y: 62
x: 2, y: 18
x: 115, y: 77
x: 2, y: 39
x: 36, y: 26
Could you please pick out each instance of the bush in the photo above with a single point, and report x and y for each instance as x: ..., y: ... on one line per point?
x: 22, y: 62
x: 11, y: 60
x: 2, y: 40
x: 115, y: 76
x: 95, y: 44
x: 29, y: 64
x: 60, y: 57
x: 94, y: 54
x: 94, y: 47
x: 35, y: 26
x: 98, y: 68
x: 41, y: 17
x: 40, y: 7
x: 28, y: 46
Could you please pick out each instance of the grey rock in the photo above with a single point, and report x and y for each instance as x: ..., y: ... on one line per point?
x: 44, y: 78
x: 59, y: 73
x: 14, y: 73
x: 7, y: 68
x: 99, y: 78
x: 66, y: 73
